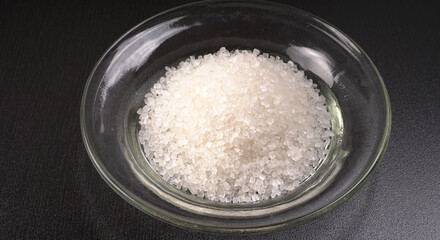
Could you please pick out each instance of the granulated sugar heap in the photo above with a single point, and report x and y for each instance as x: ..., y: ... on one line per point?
x: 235, y: 126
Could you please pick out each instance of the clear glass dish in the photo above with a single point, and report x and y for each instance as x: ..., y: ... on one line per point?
x: 354, y: 90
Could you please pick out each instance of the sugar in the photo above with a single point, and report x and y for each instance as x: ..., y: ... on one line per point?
x: 236, y: 126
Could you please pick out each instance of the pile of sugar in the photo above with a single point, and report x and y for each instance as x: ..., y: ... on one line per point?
x: 235, y: 126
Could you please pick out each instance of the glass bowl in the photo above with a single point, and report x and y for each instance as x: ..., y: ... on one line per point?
x: 354, y: 91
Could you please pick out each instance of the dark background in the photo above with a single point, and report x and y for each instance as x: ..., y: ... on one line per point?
x: 49, y: 188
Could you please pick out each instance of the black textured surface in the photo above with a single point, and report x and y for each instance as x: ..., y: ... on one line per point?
x: 49, y: 188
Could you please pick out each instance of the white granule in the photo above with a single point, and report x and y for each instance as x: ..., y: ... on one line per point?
x: 235, y: 126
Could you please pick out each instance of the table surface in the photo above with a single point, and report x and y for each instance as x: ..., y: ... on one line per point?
x: 49, y: 188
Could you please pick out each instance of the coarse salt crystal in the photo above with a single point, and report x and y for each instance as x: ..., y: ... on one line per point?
x: 236, y: 126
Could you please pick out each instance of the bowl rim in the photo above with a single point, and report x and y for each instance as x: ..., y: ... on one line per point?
x: 157, y: 213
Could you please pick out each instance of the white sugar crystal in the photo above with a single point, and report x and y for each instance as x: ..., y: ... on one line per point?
x: 236, y: 126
